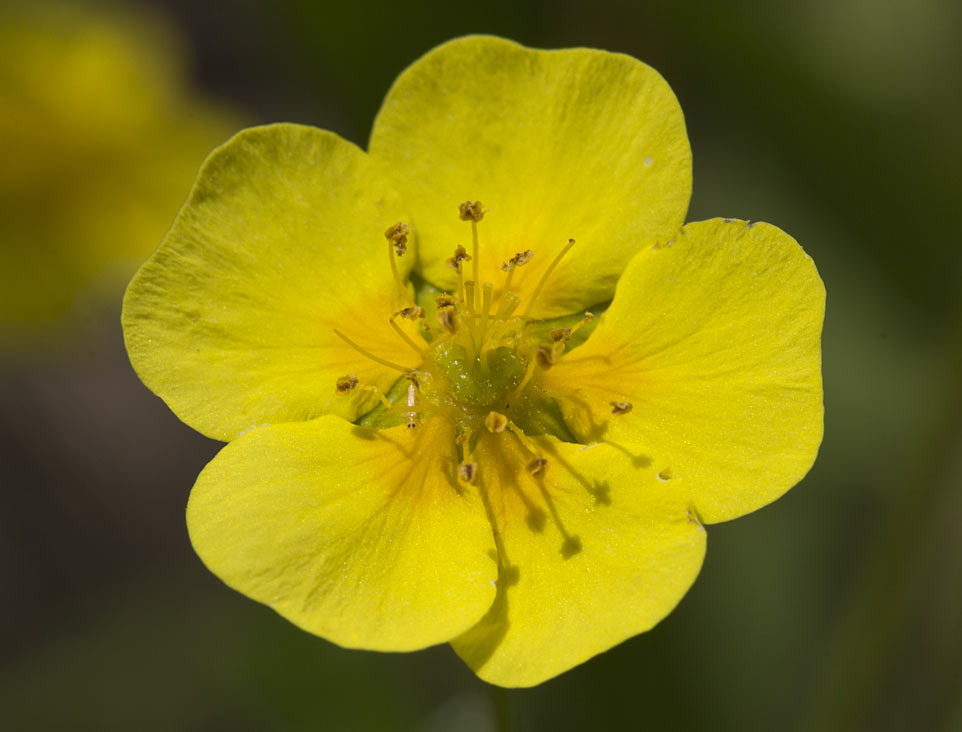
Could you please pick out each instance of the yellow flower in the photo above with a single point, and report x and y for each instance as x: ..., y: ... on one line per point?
x: 529, y: 499
x: 98, y: 138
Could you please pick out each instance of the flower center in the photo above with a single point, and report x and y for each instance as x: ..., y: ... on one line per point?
x: 479, y: 365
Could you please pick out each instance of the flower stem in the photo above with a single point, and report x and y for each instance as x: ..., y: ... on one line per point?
x: 503, y: 709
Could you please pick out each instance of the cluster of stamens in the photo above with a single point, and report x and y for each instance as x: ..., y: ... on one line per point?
x: 478, y: 361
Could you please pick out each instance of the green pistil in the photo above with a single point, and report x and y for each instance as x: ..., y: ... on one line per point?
x: 473, y: 386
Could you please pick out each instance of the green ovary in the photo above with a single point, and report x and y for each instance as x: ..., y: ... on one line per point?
x: 469, y: 386
x: 473, y: 385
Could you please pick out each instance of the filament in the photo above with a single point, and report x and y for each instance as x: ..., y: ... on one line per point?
x: 404, y: 336
x: 365, y: 352
x: 544, y: 278
x: 474, y: 265
x: 397, y: 275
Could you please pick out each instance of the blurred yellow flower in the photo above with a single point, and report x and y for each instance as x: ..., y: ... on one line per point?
x: 456, y: 462
x: 99, y: 142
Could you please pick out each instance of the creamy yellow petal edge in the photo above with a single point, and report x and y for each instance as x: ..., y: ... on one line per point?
x: 231, y: 321
x: 576, y: 143
x: 360, y: 536
x: 715, y: 341
x: 596, y: 550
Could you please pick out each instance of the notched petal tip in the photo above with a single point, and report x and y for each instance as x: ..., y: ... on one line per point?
x: 586, y: 117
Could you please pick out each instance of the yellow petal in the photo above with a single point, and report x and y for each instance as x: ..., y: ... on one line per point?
x: 231, y: 321
x: 359, y: 536
x: 575, y: 143
x: 715, y: 342
x: 593, y: 551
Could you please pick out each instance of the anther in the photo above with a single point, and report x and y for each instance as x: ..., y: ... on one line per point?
x: 460, y: 255
x: 620, y: 407
x: 471, y: 211
x: 398, y: 236
x: 414, y: 312
x: 468, y: 472
x: 496, y: 422
x: 537, y: 467
x: 346, y: 384
x: 564, y: 334
x: 545, y: 356
x: 461, y: 439
x: 445, y: 301
x: 449, y: 319
x: 518, y: 260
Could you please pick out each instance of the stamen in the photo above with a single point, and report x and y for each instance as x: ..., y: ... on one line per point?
x: 523, y: 438
x: 519, y: 259
x: 439, y: 341
x: 485, y: 312
x: 496, y: 422
x: 564, y: 334
x: 408, y: 409
x: 380, y: 395
x: 468, y: 472
x: 545, y: 355
x: 365, y: 352
x: 460, y: 255
x: 404, y: 336
x: 412, y: 402
x: 346, y: 384
x: 528, y: 373
x: 447, y: 313
x: 449, y: 319
x: 397, y: 237
x: 473, y: 211
x: 621, y: 407
x: 412, y: 313
x: 471, y: 309
x: 537, y: 467
x: 545, y: 276
x: 417, y: 313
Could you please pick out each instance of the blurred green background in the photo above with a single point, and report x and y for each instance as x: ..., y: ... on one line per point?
x: 837, y: 608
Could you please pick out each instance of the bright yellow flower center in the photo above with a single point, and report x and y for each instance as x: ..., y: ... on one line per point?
x: 479, y: 367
